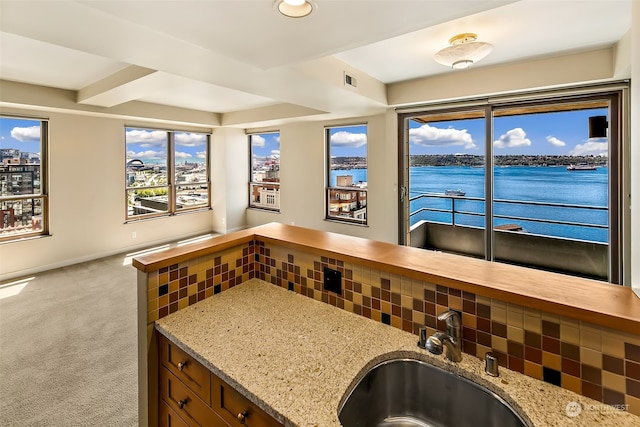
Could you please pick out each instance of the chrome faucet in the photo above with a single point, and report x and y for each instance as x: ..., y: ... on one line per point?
x: 450, y: 342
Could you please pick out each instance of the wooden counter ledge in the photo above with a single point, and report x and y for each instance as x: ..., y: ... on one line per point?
x: 587, y: 300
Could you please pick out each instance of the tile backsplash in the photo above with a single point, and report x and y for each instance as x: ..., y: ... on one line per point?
x: 597, y: 362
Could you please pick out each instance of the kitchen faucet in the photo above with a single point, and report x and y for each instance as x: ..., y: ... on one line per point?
x: 449, y: 342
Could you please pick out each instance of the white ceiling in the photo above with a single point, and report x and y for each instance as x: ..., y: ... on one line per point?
x: 229, y: 56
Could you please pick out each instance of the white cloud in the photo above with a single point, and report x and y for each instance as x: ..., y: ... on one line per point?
x: 148, y: 138
x: 147, y: 155
x: 595, y: 147
x: 183, y: 155
x: 555, y: 141
x: 430, y: 136
x: 190, y: 139
x: 348, y: 139
x: 258, y: 141
x: 516, y: 137
x: 30, y: 134
x: 275, y: 154
x: 201, y: 154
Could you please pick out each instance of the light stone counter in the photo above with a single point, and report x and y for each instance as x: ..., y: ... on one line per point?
x: 296, y: 357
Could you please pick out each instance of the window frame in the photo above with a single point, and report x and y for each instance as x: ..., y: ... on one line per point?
x: 617, y: 96
x: 171, y: 185
x: 43, y: 194
x: 337, y: 192
x: 253, y: 184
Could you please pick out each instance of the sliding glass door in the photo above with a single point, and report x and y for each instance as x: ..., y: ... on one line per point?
x: 446, y: 179
x: 533, y: 183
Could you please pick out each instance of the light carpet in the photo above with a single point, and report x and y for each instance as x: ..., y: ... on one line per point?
x: 68, y: 347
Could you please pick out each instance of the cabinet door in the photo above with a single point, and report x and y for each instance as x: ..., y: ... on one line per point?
x: 186, y: 403
x: 186, y: 368
x: 236, y: 409
x: 167, y: 417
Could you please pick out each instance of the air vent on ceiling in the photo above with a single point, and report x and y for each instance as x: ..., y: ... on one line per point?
x: 349, y: 80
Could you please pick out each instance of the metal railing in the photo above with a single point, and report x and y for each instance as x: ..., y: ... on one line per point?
x: 453, y: 211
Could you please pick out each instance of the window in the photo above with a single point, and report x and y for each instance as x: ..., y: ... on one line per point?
x: 23, y: 194
x: 347, y: 174
x: 545, y: 195
x: 264, y: 182
x: 167, y: 172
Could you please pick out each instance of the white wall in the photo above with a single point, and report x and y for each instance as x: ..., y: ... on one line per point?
x: 229, y: 179
x: 303, y: 179
x: 87, y: 208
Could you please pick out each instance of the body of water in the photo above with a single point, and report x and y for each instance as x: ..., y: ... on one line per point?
x: 358, y: 175
x: 521, y: 184
x: 515, y: 183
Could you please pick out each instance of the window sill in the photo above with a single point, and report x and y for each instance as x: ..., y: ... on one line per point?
x: 259, y: 209
x: 24, y: 239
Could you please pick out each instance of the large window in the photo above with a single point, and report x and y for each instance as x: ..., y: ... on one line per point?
x: 545, y: 194
x: 23, y: 195
x: 347, y: 173
x: 264, y: 182
x: 167, y: 172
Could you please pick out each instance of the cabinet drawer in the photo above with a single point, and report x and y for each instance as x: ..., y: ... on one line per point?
x: 185, y: 367
x: 186, y: 403
x: 236, y: 409
x: 167, y: 417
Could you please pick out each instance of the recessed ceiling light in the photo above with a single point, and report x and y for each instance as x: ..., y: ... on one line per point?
x: 295, y: 8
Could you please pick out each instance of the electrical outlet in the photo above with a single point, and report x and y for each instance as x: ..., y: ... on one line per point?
x: 134, y: 235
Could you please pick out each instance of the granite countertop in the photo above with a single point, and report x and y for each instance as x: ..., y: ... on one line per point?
x: 296, y: 357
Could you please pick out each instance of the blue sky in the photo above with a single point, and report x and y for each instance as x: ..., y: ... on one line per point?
x: 22, y: 134
x: 349, y: 141
x: 560, y: 133
x: 346, y: 141
x: 266, y: 145
x: 150, y: 146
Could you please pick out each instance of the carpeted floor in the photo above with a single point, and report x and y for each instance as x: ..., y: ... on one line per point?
x: 68, y: 349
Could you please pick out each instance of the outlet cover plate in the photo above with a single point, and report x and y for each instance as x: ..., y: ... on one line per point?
x: 332, y: 280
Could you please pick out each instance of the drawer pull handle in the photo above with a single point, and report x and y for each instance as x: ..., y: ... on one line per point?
x: 181, y: 403
x: 242, y: 417
x: 181, y: 365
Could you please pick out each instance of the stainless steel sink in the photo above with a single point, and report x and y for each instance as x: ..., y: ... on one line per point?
x: 407, y: 392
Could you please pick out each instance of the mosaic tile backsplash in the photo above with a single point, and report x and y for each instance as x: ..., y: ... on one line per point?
x: 593, y: 361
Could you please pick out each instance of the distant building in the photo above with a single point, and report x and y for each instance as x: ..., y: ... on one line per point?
x: 19, y: 175
x: 267, y: 194
x: 348, y: 202
x: 344, y: 180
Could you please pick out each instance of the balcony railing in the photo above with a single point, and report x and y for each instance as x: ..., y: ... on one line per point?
x: 462, y: 210
x: 561, y: 241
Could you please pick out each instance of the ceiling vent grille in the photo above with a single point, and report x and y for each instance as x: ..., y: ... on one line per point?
x: 349, y: 80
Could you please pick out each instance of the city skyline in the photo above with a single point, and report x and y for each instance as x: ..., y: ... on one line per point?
x: 21, y: 134
x: 266, y: 145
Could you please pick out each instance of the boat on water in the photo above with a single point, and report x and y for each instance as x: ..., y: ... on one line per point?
x: 455, y: 193
x: 582, y: 167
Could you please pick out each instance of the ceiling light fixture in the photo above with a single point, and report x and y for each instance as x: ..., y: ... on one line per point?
x: 463, y: 51
x: 295, y: 8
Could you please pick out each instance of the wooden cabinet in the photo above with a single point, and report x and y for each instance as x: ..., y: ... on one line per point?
x: 191, y: 395
x: 167, y: 417
x: 193, y: 374
x: 236, y: 409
